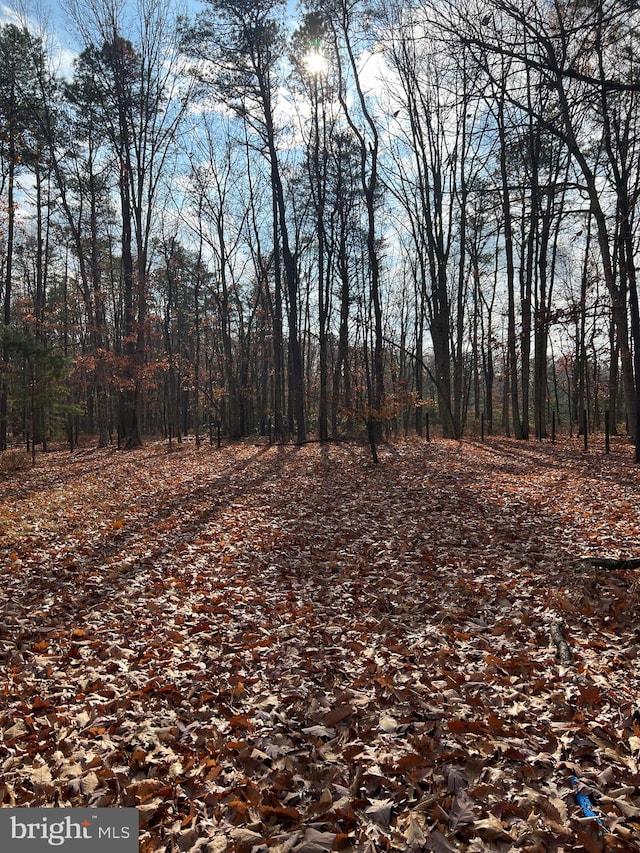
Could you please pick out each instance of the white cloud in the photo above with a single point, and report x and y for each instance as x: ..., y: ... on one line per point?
x: 9, y: 15
x: 62, y: 57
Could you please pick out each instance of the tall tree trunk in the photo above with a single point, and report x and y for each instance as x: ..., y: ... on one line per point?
x: 8, y: 279
x: 512, y: 336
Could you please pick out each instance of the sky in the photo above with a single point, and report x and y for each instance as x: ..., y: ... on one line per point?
x: 53, y: 18
x: 50, y: 19
x: 60, y: 28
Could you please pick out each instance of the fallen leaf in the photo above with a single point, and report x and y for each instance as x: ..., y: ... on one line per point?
x: 414, y: 834
x: 315, y: 841
x: 492, y: 828
x: 439, y: 844
x: 380, y: 811
x: 337, y: 715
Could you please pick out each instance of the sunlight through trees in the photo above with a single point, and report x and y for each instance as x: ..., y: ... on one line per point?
x: 333, y: 224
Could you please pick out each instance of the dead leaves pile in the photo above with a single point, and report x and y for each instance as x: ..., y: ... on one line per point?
x: 290, y: 649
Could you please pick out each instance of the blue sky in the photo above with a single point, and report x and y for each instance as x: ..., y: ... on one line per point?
x: 60, y: 27
x: 52, y: 19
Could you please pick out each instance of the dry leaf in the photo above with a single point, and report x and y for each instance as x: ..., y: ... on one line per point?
x: 41, y: 776
x: 287, y: 610
x: 414, y: 834
x: 439, y: 844
x: 89, y: 782
x: 492, y: 828
x: 315, y: 842
x: 380, y: 811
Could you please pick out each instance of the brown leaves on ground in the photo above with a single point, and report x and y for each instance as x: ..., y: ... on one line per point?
x: 290, y: 649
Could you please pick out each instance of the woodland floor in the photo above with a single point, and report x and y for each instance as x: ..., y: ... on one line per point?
x: 293, y: 649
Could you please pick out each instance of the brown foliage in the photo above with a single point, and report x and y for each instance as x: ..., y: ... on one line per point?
x: 293, y: 649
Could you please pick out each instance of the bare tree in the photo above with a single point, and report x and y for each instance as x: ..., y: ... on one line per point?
x: 23, y: 74
x: 583, y: 55
x: 350, y: 40
x: 135, y: 83
x: 239, y: 46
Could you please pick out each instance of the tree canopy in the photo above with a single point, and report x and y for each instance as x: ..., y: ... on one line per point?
x: 354, y: 221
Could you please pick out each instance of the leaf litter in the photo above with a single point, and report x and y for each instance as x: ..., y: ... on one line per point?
x: 291, y: 649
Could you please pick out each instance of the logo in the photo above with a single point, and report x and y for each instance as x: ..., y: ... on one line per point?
x: 38, y: 830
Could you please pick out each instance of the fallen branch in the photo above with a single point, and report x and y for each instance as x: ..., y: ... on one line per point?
x: 564, y: 652
x: 612, y: 563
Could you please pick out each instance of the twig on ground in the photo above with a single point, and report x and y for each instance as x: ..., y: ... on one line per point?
x: 564, y: 652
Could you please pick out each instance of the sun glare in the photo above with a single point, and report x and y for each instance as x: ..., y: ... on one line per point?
x: 315, y: 62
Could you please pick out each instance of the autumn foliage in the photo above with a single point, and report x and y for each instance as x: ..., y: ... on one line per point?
x: 292, y: 649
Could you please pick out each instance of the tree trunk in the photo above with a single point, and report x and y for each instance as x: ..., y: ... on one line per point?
x: 512, y: 336
x: 8, y: 277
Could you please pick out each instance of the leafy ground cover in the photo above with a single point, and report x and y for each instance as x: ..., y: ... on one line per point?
x: 292, y: 649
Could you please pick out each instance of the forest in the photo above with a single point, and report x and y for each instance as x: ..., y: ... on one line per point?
x: 347, y: 220
x: 284, y: 293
